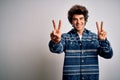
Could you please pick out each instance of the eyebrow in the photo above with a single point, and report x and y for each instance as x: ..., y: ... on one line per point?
x: 79, y: 18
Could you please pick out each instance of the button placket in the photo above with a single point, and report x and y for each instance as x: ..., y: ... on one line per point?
x: 83, y: 78
x: 82, y: 60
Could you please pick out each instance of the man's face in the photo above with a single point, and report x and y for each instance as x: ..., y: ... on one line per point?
x: 78, y: 22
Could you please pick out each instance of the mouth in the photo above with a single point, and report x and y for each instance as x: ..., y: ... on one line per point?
x: 78, y: 26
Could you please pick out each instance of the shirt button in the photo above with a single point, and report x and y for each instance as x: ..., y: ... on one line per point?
x: 83, y: 78
x: 80, y: 44
x: 82, y: 60
x: 82, y: 51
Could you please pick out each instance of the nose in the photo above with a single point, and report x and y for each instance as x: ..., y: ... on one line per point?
x: 78, y: 21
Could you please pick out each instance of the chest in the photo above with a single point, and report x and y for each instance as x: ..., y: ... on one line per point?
x: 86, y: 42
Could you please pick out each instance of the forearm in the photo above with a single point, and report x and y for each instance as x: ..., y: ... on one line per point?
x: 105, y: 49
x: 56, y: 47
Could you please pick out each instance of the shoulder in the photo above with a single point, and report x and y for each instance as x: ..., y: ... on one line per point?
x: 90, y: 34
x: 69, y: 34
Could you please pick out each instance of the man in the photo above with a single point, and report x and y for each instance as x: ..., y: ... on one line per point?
x: 81, y: 46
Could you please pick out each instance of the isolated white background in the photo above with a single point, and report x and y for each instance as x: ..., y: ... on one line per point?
x: 25, y: 26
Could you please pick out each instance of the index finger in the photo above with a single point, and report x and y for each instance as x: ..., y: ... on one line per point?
x: 102, y: 26
x: 97, y: 27
x: 59, y: 26
x: 54, y: 24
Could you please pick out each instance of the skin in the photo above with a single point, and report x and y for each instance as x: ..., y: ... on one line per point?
x: 102, y: 34
x: 78, y: 22
x: 56, y: 33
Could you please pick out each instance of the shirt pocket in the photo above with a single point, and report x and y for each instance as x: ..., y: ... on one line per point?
x: 92, y: 44
x: 72, y: 44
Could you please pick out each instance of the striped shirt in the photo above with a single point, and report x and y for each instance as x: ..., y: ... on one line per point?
x: 81, y: 55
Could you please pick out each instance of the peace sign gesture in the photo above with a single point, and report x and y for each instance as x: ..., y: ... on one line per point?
x: 56, y: 33
x: 101, y: 33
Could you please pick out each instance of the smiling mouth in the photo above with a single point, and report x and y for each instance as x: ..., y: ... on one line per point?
x: 78, y: 26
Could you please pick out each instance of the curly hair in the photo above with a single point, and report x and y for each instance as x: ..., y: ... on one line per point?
x: 77, y: 9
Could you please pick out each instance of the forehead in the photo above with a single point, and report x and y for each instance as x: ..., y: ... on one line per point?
x: 78, y: 15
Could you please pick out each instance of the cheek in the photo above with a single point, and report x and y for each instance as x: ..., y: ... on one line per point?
x: 84, y: 21
x: 74, y: 23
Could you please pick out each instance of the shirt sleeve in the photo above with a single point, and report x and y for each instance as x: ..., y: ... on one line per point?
x: 57, y: 47
x: 104, y: 49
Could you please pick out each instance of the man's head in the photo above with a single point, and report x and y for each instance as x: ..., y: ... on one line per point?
x: 78, y: 16
x: 77, y: 9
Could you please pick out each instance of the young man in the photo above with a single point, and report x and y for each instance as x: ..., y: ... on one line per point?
x: 81, y: 46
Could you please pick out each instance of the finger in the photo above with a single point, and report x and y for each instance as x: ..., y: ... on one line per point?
x: 51, y: 35
x: 103, y: 32
x: 59, y: 26
x: 54, y: 24
x: 97, y: 27
x: 102, y: 26
x: 54, y: 32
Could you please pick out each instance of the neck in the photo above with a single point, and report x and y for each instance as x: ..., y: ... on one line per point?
x: 80, y: 32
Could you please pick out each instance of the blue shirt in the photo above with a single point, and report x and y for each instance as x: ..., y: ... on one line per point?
x: 81, y: 56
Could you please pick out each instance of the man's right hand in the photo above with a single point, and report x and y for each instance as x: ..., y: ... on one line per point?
x: 56, y: 33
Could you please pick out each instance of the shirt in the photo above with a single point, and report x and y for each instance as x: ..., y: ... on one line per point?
x: 80, y: 37
x: 81, y: 56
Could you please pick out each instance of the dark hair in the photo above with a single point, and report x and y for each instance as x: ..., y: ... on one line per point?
x: 77, y: 9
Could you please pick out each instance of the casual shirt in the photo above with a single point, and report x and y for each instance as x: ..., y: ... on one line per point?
x: 81, y: 55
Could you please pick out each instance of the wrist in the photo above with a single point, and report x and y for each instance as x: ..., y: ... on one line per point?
x: 56, y: 41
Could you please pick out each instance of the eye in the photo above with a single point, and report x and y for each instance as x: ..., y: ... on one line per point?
x: 74, y: 19
x: 81, y: 18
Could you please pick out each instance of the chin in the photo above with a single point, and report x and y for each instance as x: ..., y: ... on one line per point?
x: 79, y: 29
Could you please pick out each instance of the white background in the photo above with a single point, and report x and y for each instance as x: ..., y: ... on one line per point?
x: 25, y: 26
